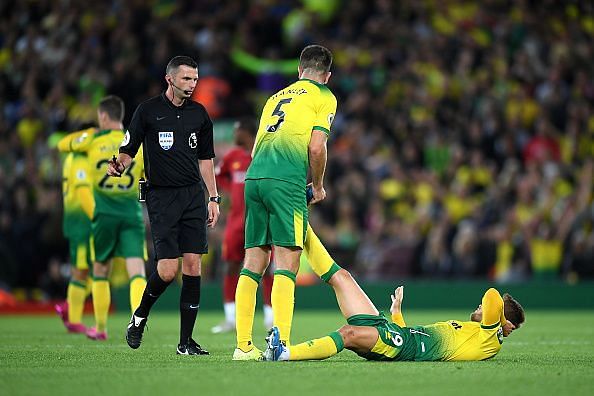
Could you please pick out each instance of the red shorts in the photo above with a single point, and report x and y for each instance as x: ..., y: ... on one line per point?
x: 233, y: 244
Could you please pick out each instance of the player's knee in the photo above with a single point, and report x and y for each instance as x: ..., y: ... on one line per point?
x: 255, y: 266
x: 135, y: 266
x: 192, y: 270
x: 134, y: 271
x: 192, y: 264
x: 340, y: 276
x: 348, y: 334
x: 100, y: 270
x: 168, y: 268
x: 168, y: 275
x: 80, y: 275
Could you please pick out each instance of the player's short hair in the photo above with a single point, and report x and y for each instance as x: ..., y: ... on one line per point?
x: 180, y: 60
x: 512, y: 310
x: 113, y: 106
x: 247, y: 124
x: 316, y: 57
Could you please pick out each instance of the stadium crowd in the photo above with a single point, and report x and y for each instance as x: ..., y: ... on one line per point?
x: 463, y: 144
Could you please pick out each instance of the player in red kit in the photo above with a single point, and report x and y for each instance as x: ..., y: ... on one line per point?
x: 231, y: 178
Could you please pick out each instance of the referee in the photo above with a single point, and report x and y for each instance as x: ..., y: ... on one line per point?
x: 177, y: 138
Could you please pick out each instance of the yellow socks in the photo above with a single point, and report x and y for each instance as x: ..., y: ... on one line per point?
x: 245, y: 307
x: 398, y: 319
x: 89, y: 287
x: 101, y: 302
x: 76, y: 296
x: 283, y: 302
x: 137, y: 285
x: 318, y: 257
x: 320, y: 348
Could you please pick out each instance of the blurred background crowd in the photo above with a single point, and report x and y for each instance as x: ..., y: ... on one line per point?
x: 463, y: 145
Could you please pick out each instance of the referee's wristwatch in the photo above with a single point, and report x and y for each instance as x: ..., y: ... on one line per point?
x: 216, y: 199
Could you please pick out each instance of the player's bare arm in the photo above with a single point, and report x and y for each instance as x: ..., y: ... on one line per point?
x: 397, y: 300
x: 208, y: 175
x: 508, y: 327
x: 396, y: 308
x: 317, y: 161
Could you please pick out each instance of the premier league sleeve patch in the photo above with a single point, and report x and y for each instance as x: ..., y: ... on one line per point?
x: 126, y: 140
x: 193, y: 141
x: 166, y: 140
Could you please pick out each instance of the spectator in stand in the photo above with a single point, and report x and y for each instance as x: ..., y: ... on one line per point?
x: 415, y: 82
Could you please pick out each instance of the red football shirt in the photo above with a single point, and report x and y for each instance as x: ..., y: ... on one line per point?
x: 231, y: 178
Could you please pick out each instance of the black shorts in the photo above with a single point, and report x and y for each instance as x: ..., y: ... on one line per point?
x: 178, y: 218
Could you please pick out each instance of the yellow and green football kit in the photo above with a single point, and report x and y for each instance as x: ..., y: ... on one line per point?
x: 275, y: 200
x: 452, y: 340
x: 78, y: 211
x: 78, y: 208
x: 118, y: 226
x: 276, y: 207
x: 245, y: 296
x: 442, y: 341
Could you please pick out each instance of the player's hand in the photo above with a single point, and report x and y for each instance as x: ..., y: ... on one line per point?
x: 508, y: 327
x: 397, y: 298
x: 213, y: 214
x: 318, y: 194
x: 309, y: 193
x: 115, y: 168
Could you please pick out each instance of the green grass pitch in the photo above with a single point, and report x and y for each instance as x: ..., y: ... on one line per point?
x: 553, y: 354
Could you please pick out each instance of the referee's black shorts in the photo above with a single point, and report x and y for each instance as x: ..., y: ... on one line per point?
x: 178, y: 217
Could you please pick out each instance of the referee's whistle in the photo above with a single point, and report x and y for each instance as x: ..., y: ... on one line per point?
x: 114, y: 160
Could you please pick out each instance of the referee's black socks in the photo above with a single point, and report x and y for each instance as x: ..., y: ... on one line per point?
x: 189, y: 301
x: 155, y: 286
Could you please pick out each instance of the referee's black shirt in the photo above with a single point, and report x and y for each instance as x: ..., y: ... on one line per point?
x: 174, y: 139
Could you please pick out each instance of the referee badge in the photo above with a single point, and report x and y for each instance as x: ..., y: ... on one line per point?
x: 166, y: 140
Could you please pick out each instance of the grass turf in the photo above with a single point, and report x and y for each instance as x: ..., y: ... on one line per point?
x: 552, y: 354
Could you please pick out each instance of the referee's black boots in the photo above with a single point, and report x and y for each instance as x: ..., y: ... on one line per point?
x: 191, y: 348
x: 134, y: 331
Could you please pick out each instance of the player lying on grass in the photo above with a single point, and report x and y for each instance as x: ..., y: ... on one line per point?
x: 374, y: 337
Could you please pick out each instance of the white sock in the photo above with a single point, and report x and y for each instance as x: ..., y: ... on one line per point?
x: 267, y: 315
x: 229, y: 308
